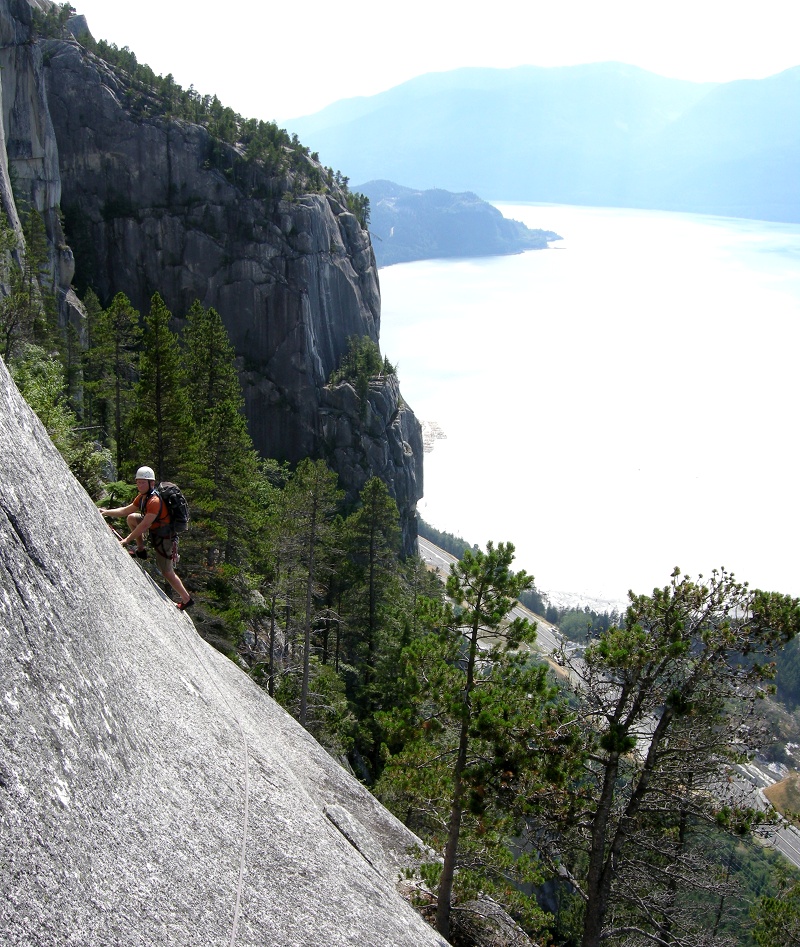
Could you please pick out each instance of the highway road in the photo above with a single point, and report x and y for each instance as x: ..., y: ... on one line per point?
x: 548, y: 637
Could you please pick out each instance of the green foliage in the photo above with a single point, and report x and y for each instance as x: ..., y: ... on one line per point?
x: 27, y: 312
x: 668, y: 706
x: 210, y: 362
x: 581, y: 625
x: 118, y: 493
x: 111, y: 366
x: 481, y: 734
x: 372, y: 536
x: 777, y: 917
x: 36, y: 280
x: 358, y: 205
x: 220, y: 456
x: 40, y: 379
x: 328, y: 716
x: 311, y: 500
x: 52, y: 22
x: 15, y: 316
x: 367, y: 591
x: 160, y: 422
x: 787, y: 677
x: 361, y: 364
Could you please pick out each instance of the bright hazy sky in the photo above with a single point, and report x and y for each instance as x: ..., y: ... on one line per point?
x: 276, y: 61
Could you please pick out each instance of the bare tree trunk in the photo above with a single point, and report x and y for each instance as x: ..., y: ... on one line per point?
x: 598, y: 879
x: 312, y: 538
x: 443, y: 905
x: 271, y: 681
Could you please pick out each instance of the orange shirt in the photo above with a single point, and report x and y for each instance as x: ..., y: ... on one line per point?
x: 154, y: 504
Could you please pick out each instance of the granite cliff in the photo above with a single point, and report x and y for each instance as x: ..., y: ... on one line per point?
x: 150, y: 793
x: 135, y: 202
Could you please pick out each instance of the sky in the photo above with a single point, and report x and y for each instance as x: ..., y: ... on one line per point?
x: 276, y: 61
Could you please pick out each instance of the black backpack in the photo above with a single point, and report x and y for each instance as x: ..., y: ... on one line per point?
x: 177, y: 506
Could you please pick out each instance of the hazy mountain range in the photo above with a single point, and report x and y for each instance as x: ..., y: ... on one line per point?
x: 602, y: 134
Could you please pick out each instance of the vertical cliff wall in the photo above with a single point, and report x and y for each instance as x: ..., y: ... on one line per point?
x: 150, y: 793
x: 151, y: 204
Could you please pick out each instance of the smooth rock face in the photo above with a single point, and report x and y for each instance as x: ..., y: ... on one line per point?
x: 146, y: 209
x: 150, y: 793
x: 30, y: 152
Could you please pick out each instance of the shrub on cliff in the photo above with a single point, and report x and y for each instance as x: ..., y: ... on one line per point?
x: 361, y: 363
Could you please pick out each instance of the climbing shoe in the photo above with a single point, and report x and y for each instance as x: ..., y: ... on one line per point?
x: 137, y: 553
x: 182, y: 606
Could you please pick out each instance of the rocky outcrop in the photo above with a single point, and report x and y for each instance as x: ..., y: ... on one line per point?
x: 153, y: 204
x: 409, y: 224
x: 380, y: 434
x: 30, y: 153
x: 150, y: 793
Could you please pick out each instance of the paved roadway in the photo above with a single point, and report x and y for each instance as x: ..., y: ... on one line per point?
x: 785, y: 837
x: 548, y: 639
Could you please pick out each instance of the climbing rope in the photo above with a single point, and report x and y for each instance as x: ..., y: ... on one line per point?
x: 245, y: 822
x: 243, y: 852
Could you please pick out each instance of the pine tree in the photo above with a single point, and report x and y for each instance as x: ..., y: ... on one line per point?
x: 668, y: 708
x: 777, y: 916
x: 270, y: 561
x: 483, y: 734
x: 112, y: 361
x: 210, y: 361
x: 311, y: 501
x: 221, y: 470
x: 160, y: 423
x: 222, y: 467
x: 37, y: 281
x: 15, y: 320
x: 93, y: 411
x: 370, y: 586
x: 372, y: 538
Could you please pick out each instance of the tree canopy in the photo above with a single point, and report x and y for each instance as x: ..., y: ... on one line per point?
x: 668, y: 708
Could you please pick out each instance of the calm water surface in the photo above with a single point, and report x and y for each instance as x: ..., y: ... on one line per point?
x: 619, y: 404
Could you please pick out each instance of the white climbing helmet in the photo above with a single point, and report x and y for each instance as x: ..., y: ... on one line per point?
x: 145, y: 473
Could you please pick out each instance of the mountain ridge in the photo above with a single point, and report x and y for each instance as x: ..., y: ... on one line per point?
x: 603, y: 134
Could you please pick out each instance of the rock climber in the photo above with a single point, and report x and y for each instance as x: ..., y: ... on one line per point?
x: 148, y: 512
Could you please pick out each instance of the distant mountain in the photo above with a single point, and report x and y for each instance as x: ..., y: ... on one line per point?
x: 603, y: 134
x: 407, y: 224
